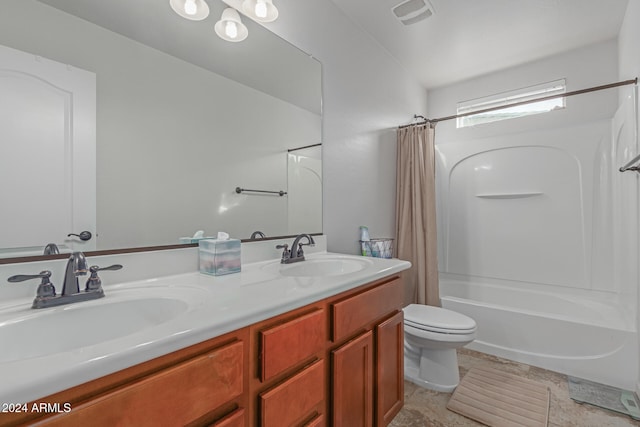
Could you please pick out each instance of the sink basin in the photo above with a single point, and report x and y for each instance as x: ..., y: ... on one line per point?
x: 36, y: 333
x: 323, y: 267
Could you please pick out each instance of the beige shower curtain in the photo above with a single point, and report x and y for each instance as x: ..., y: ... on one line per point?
x: 416, y: 213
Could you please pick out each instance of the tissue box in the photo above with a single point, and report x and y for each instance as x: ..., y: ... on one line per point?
x: 218, y: 257
x: 183, y: 240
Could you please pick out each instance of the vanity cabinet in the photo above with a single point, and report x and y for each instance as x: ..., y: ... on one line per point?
x: 175, y: 396
x: 288, y: 379
x: 338, y: 361
x: 203, y: 384
x: 367, y: 360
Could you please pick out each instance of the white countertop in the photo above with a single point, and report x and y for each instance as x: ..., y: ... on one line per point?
x: 217, y: 305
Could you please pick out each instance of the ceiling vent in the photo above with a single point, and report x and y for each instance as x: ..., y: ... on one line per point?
x: 413, y: 11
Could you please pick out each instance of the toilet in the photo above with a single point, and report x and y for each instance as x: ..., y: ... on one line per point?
x: 431, y: 337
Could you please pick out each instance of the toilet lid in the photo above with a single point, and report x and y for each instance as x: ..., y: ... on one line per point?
x: 437, y: 319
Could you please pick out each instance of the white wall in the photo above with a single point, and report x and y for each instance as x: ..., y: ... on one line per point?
x: 366, y: 94
x: 584, y: 67
x: 629, y: 67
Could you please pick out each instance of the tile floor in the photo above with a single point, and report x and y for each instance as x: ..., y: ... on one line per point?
x: 428, y: 408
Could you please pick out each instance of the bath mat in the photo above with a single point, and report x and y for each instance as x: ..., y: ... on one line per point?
x: 500, y: 399
x: 604, y: 396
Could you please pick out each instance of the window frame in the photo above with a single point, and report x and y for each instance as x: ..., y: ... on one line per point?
x: 507, y: 99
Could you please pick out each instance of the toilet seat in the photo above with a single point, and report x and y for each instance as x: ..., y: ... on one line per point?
x: 438, y: 320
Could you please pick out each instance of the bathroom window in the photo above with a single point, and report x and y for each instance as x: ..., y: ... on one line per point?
x: 528, y: 93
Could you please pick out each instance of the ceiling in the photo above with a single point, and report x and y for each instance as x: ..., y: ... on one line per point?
x: 467, y: 38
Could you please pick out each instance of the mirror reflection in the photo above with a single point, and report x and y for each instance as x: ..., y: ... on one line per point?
x: 125, y: 120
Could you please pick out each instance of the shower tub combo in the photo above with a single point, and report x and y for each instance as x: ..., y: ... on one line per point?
x: 537, y: 243
x: 573, y: 334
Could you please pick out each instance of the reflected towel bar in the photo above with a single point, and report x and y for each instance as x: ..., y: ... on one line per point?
x: 520, y: 195
x: 242, y: 190
x: 628, y: 166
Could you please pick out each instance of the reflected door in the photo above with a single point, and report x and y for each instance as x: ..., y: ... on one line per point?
x: 47, y: 154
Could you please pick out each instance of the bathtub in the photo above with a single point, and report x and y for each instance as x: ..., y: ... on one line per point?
x: 571, y: 332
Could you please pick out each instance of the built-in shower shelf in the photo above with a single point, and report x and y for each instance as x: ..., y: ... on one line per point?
x: 520, y: 195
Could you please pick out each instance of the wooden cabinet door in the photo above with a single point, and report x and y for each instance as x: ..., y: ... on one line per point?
x: 389, y: 369
x: 352, y: 384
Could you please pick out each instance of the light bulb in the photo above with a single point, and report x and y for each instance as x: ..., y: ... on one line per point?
x: 230, y: 26
x: 190, y: 7
x: 261, y: 9
x: 231, y: 29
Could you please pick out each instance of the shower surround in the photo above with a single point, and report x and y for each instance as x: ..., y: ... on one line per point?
x: 538, y: 243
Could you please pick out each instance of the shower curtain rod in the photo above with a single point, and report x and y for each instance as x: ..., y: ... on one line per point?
x: 515, y: 104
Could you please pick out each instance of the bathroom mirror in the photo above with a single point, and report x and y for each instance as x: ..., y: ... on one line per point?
x: 182, y: 119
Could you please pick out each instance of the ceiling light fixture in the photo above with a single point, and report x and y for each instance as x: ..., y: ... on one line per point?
x: 195, y: 10
x: 260, y: 10
x: 230, y: 26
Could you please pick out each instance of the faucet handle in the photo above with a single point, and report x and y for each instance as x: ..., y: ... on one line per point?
x: 94, y: 283
x: 311, y: 243
x: 286, y: 253
x: 95, y: 268
x: 45, y: 288
x: 300, y: 252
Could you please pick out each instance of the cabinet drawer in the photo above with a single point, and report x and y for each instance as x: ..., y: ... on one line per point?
x: 174, y: 396
x: 288, y: 344
x: 234, y: 419
x: 317, y: 421
x: 357, y: 311
x: 295, y: 399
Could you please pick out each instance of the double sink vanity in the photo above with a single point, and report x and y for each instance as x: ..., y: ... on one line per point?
x: 317, y: 342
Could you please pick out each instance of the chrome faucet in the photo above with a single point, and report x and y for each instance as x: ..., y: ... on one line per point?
x: 76, y: 266
x: 51, y: 249
x: 295, y: 254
